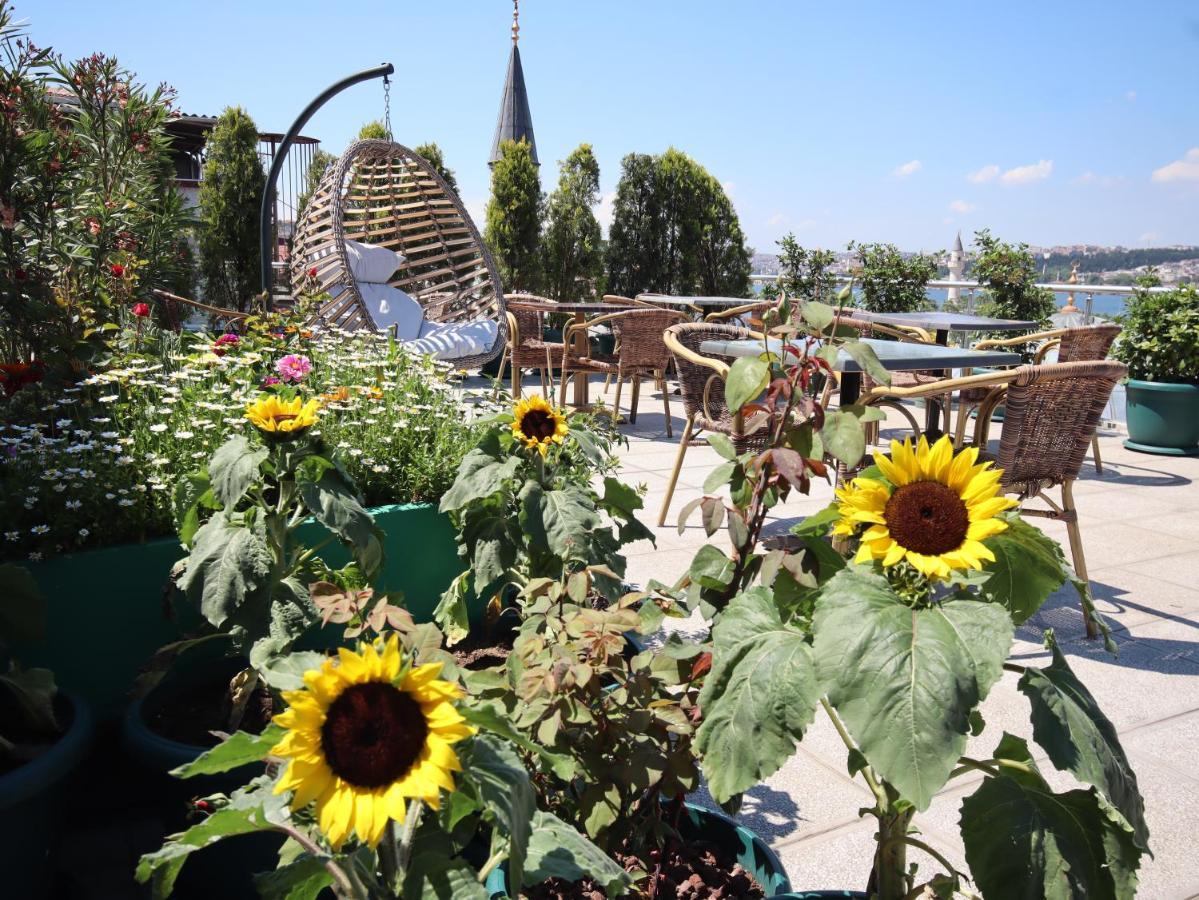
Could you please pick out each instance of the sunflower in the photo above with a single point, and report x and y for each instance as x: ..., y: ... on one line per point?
x: 283, y: 418
x: 537, y: 424
x: 933, y: 511
x: 366, y: 734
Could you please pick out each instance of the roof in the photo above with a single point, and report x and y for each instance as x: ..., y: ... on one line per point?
x: 957, y: 243
x: 515, y: 122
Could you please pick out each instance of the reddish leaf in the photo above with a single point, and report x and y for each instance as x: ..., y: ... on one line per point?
x: 701, y: 666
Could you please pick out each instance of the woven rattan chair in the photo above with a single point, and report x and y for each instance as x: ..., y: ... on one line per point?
x: 1051, y: 415
x: 641, y: 353
x: 526, y: 349
x: 383, y: 194
x: 736, y: 313
x: 701, y: 381
x: 1088, y: 343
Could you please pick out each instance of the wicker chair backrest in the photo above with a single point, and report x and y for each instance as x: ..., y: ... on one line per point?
x: 1090, y: 342
x: 693, y: 378
x: 639, y: 336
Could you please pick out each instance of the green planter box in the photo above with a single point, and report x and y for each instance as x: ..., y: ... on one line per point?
x: 1163, y: 417
x: 108, y: 612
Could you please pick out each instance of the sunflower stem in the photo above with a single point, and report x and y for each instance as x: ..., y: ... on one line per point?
x: 411, y: 823
x: 389, y: 858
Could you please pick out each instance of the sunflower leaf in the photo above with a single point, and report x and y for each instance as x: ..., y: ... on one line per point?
x: 568, y: 515
x: 479, y: 475
x: 905, y: 680
x: 239, y: 749
x: 234, y: 467
x: 1080, y: 739
x: 303, y: 879
x: 434, y: 876
x: 759, y: 697
x: 228, y: 566
x: 1028, y: 567
x: 334, y: 504
x: 559, y: 851
x: 503, y: 786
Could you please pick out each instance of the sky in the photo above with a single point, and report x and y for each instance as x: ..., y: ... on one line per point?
x: 1049, y: 122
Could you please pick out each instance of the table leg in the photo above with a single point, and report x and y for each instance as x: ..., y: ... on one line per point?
x: 851, y: 387
x: 580, y: 339
x: 932, y: 407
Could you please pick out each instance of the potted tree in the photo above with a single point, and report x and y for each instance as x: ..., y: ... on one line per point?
x: 1160, y: 344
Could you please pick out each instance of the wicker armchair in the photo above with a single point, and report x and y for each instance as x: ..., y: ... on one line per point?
x: 1086, y: 344
x: 640, y: 354
x: 526, y: 349
x: 701, y: 381
x: 735, y: 313
x: 1051, y: 415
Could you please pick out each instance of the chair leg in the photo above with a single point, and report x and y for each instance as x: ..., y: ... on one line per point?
x: 666, y: 404
x: 541, y: 372
x: 515, y: 382
x: 1095, y: 453
x: 549, y: 374
x: 563, y: 378
x: 678, y: 466
x: 1070, y: 514
x: 499, y: 375
x: 616, y: 402
x: 959, y: 435
x: 636, y: 396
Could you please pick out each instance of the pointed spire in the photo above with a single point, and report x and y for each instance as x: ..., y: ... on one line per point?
x: 515, y: 122
x: 957, y: 244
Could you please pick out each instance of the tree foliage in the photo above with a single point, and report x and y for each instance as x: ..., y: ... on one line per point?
x: 1160, y: 341
x: 803, y: 272
x: 317, y: 166
x: 514, y: 216
x: 674, y: 230
x: 230, y: 195
x: 891, y: 281
x: 1009, y: 274
x: 431, y: 154
x: 573, y: 256
x: 373, y: 131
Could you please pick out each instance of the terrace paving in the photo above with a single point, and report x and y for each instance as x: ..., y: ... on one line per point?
x: 1140, y: 524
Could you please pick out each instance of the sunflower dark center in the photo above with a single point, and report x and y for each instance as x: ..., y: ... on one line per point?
x: 927, y: 517
x: 538, y: 425
x: 373, y: 733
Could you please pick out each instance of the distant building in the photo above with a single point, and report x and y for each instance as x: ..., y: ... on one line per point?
x: 957, y: 268
x: 515, y: 122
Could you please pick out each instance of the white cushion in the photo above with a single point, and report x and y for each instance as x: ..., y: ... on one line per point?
x: 374, y: 265
x: 454, y: 340
x: 390, y: 306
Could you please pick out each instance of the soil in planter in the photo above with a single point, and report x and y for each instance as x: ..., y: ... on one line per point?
x: 202, y: 708
x: 695, y: 871
x: 484, y: 649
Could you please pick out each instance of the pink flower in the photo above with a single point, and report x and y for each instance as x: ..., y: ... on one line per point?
x: 141, y: 310
x: 293, y: 367
x: 225, y: 340
x: 270, y: 381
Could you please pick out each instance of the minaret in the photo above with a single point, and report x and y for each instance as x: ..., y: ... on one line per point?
x: 515, y: 122
x: 957, y: 268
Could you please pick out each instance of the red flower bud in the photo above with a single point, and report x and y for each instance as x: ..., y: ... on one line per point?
x: 141, y: 310
x: 312, y: 272
x: 118, y: 270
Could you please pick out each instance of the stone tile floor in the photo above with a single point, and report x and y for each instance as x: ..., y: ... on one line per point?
x: 1140, y: 525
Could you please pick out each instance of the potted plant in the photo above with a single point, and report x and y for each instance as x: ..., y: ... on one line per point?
x: 44, y: 734
x: 897, y: 629
x: 609, y: 736
x: 385, y: 780
x: 1160, y: 344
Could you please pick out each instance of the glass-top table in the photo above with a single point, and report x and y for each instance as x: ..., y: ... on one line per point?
x: 895, y: 356
x: 696, y: 302
x: 943, y: 322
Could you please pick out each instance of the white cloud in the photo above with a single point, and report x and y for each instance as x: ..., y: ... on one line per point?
x: 1130, y: 96
x: 1086, y: 178
x: 777, y: 219
x: 1185, y: 169
x: 1090, y: 177
x: 908, y: 168
x: 961, y: 206
x: 1148, y: 236
x: 986, y: 173
x: 1024, y: 174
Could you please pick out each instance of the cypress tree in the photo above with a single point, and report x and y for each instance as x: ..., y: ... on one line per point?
x: 230, y: 194
x: 514, y: 216
x: 572, y: 239
x: 433, y: 156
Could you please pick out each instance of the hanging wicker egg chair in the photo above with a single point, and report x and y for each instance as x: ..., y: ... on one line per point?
x: 382, y: 194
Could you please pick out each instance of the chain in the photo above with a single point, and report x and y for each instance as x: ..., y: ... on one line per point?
x: 387, y: 106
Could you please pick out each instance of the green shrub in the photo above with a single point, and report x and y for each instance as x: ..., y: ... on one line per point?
x: 1160, y: 341
x: 891, y: 282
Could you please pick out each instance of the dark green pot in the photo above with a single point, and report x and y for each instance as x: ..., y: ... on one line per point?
x: 110, y: 604
x: 230, y: 864
x: 697, y: 823
x: 31, y: 805
x: 1163, y: 417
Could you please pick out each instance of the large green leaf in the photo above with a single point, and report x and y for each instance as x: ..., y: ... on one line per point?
x: 303, y: 879
x: 1028, y: 567
x: 228, y: 565
x: 192, y: 493
x: 495, y: 720
x: 559, y: 851
x: 479, y: 475
x: 711, y: 568
x: 335, y: 505
x: 239, y: 749
x: 844, y: 437
x: 22, y: 606
x: 434, y: 876
x: 748, y: 377
x: 233, y: 468
x: 503, y: 785
x: 1022, y: 840
x: 485, y: 531
x: 905, y: 680
x: 759, y: 697
x: 567, y: 516
x: 863, y: 354
x: 1080, y: 739
x: 453, y: 612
